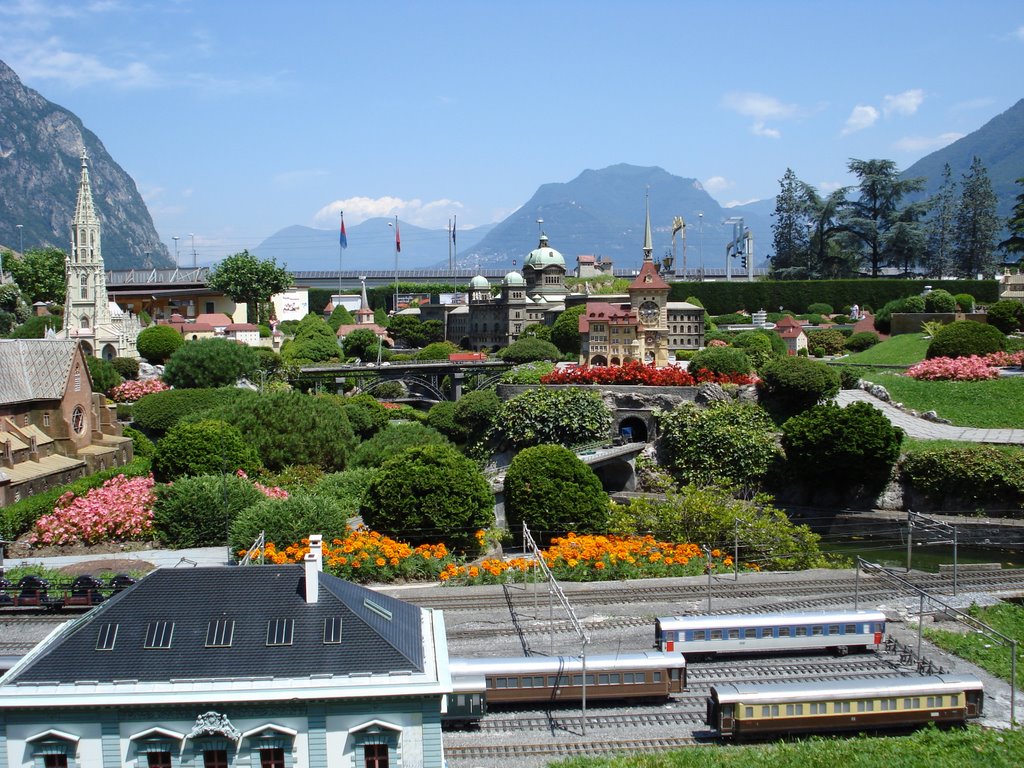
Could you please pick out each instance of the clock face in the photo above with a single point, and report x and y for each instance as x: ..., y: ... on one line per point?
x: 649, y: 312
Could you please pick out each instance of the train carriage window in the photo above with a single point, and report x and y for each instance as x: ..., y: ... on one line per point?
x: 817, y: 631
x: 840, y: 707
x: 734, y: 634
x: 700, y: 634
x: 833, y: 629
x: 602, y: 679
x: 888, y: 705
x: 616, y: 678
x: 656, y: 676
x: 750, y: 632
x: 716, y: 634
x: 850, y: 629
x: 865, y: 705
x: 501, y: 682
x: 934, y: 701
x: 794, y: 709
x: 627, y: 678
x: 526, y: 682
x: 912, y: 703
x: 590, y: 680
x: 783, y: 631
x: 538, y: 681
x: 954, y: 700
x: 749, y: 712
x: 801, y: 631
x: 819, y: 708
x: 563, y: 680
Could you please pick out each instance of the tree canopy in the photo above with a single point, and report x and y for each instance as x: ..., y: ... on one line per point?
x: 39, y: 273
x: 245, y: 278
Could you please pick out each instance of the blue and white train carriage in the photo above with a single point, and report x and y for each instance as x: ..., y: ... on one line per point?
x: 837, y: 631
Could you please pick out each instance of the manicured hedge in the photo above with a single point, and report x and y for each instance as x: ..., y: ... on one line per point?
x: 977, y: 473
x: 158, y: 412
x: 797, y: 295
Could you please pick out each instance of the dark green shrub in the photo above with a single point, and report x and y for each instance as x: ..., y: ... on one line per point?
x: 158, y: 412
x: 441, y: 417
x: 347, y: 488
x: 939, y: 300
x: 829, y: 340
x: 757, y: 345
x: 20, y: 516
x: 912, y: 304
x: 794, y: 384
x: 288, y: 428
x: 197, y: 511
x: 267, y: 360
x: 530, y: 373
x: 842, y: 320
x: 528, y: 350
x: 565, y: 333
x: 365, y: 414
x: 298, y: 477
x: 964, y: 338
x: 820, y: 308
x: 427, y: 494
x: 364, y: 344
x: 314, y: 342
x: 288, y: 521
x: 128, y: 367
x: 103, y: 374
x: 883, y: 319
x: 141, y: 445
x: 209, y: 363
x: 36, y: 327
x: 340, y: 316
x: 570, y: 416
x: 726, y: 360
x: 203, y: 448
x: 817, y: 352
x: 811, y: 319
x: 839, y: 447
x: 733, y: 318
x: 977, y: 473
x: 965, y: 302
x: 726, y: 443
x: 158, y: 342
x: 476, y: 412
x: 848, y: 378
x: 862, y: 340
x: 391, y: 441
x: 438, y: 350
x: 713, y: 335
x: 1006, y: 315
x: 553, y: 492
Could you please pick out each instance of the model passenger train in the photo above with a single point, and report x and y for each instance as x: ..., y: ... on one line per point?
x: 705, y: 636
x: 545, y: 680
x: 779, y: 709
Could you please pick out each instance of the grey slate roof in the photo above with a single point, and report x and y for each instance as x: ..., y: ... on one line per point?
x: 34, y: 369
x: 191, y: 598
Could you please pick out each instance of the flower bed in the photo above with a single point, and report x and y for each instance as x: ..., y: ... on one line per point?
x: 972, y: 368
x: 638, y: 373
x: 131, y: 390
x: 369, y: 556
x: 119, y: 510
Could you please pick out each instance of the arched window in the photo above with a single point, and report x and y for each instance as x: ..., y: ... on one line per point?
x: 85, y: 286
x: 85, y: 321
x: 78, y: 424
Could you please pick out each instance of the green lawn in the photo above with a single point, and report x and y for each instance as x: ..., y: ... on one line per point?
x: 927, y: 748
x: 992, y: 656
x: 905, y: 349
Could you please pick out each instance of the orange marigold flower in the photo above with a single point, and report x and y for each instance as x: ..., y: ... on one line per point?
x: 381, y: 562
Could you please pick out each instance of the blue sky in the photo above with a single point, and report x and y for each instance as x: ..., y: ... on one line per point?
x: 237, y: 119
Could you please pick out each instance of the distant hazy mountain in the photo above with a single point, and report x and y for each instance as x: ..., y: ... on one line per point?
x: 40, y: 165
x: 1000, y: 145
x: 371, y: 246
x: 602, y: 213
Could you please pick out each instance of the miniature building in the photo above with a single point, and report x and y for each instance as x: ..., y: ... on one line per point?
x: 53, y: 429
x: 277, y: 665
x: 104, y: 329
x: 792, y: 332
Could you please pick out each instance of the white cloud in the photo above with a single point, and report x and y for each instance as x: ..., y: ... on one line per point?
x: 905, y: 103
x: 734, y: 203
x: 863, y: 116
x: 926, y: 143
x: 762, y: 108
x: 716, y: 184
x: 828, y: 187
x: 1019, y: 33
x: 758, y: 129
x: 433, y: 214
x: 48, y: 59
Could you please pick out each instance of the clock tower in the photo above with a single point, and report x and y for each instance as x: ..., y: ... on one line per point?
x: 648, y: 298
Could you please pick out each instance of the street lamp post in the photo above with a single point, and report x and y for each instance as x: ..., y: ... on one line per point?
x: 193, y: 248
x: 393, y: 225
x: 21, y: 238
x: 700, y: 219
x: 175, y: 239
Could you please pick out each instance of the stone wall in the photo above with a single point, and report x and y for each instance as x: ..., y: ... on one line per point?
x: 912, y: 322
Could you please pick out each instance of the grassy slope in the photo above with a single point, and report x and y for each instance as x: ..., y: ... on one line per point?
x: 1007, y: 619
x: 928, y: 748
x: 986, y: 404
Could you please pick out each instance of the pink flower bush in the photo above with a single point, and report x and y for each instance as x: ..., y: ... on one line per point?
x: 130, y: 391
x: 1006, y: 359
x: 120, y: 510
x: 271, y: 492
x: 971, y: 368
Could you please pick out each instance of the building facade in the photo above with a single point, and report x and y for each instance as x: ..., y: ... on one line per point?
x: 267, y: 666
x: 104, y: 329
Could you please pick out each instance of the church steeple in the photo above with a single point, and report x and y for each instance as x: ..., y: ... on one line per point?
x: 85, y: 227
x: 648, y: 247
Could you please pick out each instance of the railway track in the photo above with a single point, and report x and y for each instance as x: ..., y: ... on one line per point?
x: 561, y: 750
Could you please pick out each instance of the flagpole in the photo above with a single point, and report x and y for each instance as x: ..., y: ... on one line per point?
x: 450, y: 245
x: 397, y: 246
x: 341, y: 250
x: 455, y: 248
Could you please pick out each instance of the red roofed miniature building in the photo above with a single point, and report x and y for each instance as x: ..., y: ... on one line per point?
x: 792, y: 332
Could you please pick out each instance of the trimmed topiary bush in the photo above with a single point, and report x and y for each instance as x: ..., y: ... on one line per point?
x: 197, y: 511
x: 964, y: 338
x: 141, y: 445
x: 427, y: 494
x: 441, y: 417
x: 724, y: 360
x: 128, y: 367
x: 550, y: 489
x: 1006, y: 315
x: 793, y: 384
x: 964, y: 302
x: 862, y: 340
x: 729, y: 443
x: 209, y: 363
x: 288, y: 521
x: 476, y: 412
x: 840, y: 447
x: 820, y: 308
x: 528, y: 350
x: 392, y: 440
x: 939, y: 300
x: 205, y: 447
x: 365, y: 414
x: 570, y: 416
x: 103, y: 374
x: 158, y: 412
x: 158, y: 342
x: 757, y: 345
x: 977, y: 473
x: 828, y: 340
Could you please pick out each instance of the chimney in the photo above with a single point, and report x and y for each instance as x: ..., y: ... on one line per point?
x: 314, y: 565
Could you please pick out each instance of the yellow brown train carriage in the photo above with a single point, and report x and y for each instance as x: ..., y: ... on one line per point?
x: 737, y: 711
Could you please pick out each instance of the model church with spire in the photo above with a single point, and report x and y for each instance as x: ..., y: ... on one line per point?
x: 102, y: 327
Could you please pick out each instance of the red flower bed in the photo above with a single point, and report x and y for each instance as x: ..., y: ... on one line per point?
x: 638, y: 373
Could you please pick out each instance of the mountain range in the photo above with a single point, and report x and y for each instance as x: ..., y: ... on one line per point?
x: 40, y: 165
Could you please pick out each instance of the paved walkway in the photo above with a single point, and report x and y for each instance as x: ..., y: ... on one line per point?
x: 924, y: 429
x: 161, y: 558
